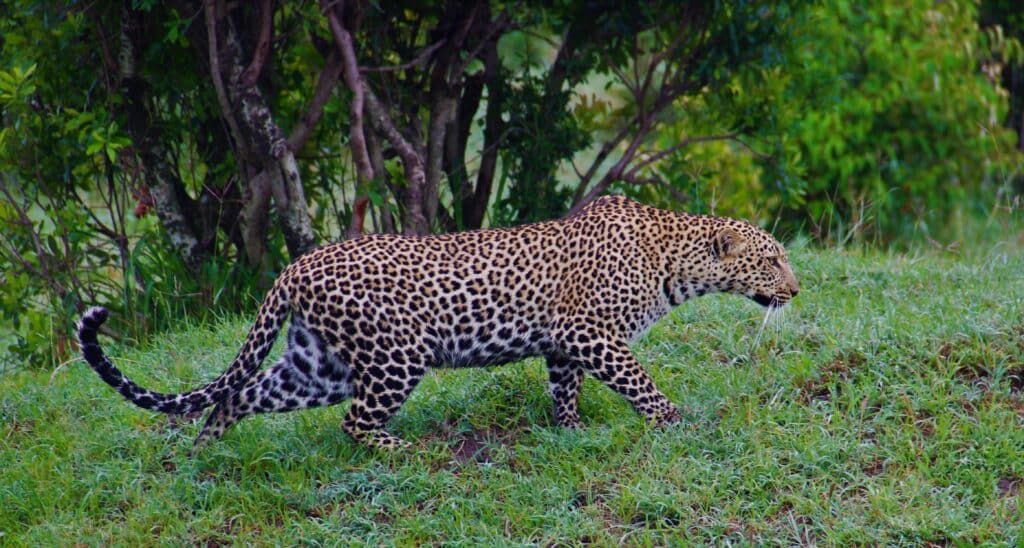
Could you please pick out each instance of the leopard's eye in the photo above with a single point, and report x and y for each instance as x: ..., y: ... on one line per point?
x: 775, y: 262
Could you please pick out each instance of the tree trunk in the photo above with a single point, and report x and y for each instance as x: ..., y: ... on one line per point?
x: 413, y: 221
x: 265, y: 144
x: 254, y: 218
x: 163, y: 182
x: 475, y: 206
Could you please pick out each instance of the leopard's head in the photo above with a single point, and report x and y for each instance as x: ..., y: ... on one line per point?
x: 752, y: 263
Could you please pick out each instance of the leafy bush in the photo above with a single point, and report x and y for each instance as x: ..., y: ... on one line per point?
x: 902, y: 121
x: 885, y: 121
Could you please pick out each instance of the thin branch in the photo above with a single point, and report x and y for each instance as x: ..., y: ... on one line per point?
x: 215, y: 73
x: 106, y: 55
x: 502, y: 23
x: 663, y: 54
x: 102, y: 228
x: 43, y: 271
x: 752, y: 150
x: 576, y: 170
x: 602, y: 155
x: 14, y: 255
x: 76, y: 283
x: 672, y: 149
x: 325, y: 84
x: 617, y: 170
x: 259, y: 56
x: 641, y: 88
x: 670, y: 89
x: 418, y: 60
x: 679, y: 196
x: 411, y: 161
x: 25, y: 221
x: 555, y: 44
x: 621, y: 75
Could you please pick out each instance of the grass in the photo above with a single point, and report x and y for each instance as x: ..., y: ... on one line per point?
x: 886, y: 407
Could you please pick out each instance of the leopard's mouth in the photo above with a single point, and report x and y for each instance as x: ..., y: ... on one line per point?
x: 771, y: 301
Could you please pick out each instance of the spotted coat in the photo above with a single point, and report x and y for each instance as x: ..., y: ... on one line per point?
x: 370, y: 315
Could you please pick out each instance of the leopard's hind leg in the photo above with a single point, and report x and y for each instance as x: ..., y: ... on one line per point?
x: 307, y: 375
x: 379, y: 390
x: 565, y: 379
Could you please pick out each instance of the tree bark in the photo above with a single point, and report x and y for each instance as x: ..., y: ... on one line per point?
x: 474, y: 207
x: 254, y: 218
x: 442, y: 113
x: 456, y: 141
x: 387, y: 223
x: 413, y: 221
x: 165, y: 187
x: 443, y: 102
x: 264, y: 142
x: 357, y: 136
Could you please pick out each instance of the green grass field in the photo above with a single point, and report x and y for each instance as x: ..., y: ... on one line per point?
x: 885, y: 406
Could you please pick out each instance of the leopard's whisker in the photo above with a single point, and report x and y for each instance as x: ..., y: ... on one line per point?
x: 767, y: 314
x: 779, y: 319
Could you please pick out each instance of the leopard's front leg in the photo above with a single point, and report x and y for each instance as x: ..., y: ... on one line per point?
x: 613, y: 363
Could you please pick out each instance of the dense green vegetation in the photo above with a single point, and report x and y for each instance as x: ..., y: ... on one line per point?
x: 168, y: 158
x: 884, y: 406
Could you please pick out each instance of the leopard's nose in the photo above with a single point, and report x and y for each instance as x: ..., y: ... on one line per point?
x: 795, y: 291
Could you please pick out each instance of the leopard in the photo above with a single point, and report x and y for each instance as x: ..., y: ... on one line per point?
x: 370, y: 316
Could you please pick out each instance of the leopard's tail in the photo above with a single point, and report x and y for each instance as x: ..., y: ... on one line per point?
x: 271, y: 317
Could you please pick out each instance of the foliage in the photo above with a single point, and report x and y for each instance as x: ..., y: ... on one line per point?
x: 883, y: 120
x: 1003, y: 21
x: 903, y: 121
x: 539, y: 138
x: 846, y: 424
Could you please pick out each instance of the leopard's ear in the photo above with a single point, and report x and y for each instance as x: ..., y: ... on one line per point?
x: 728, y: 243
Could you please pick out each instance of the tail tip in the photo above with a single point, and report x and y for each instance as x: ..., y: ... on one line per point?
x: 95, y: 316
x: 91, y: 321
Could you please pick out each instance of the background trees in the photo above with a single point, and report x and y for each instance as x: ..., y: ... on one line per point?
x: 169, y: 157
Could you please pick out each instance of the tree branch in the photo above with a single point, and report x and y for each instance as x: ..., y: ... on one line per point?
x: 417, y: 61
x: 473, y: 211
x: 495, y: 28
x: 671, y: 88
x: 218, y: 79
x: 617, y: 170
x: 602, y: 155
x: 325, y: 84
x: 680, y: 197
x: 259, y: 56
x: 354, y: 81
x: 414, y: 221
x: 387, y: 223
x: 269, y: 148
x: 357, y: 137
x: 672, y: 149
